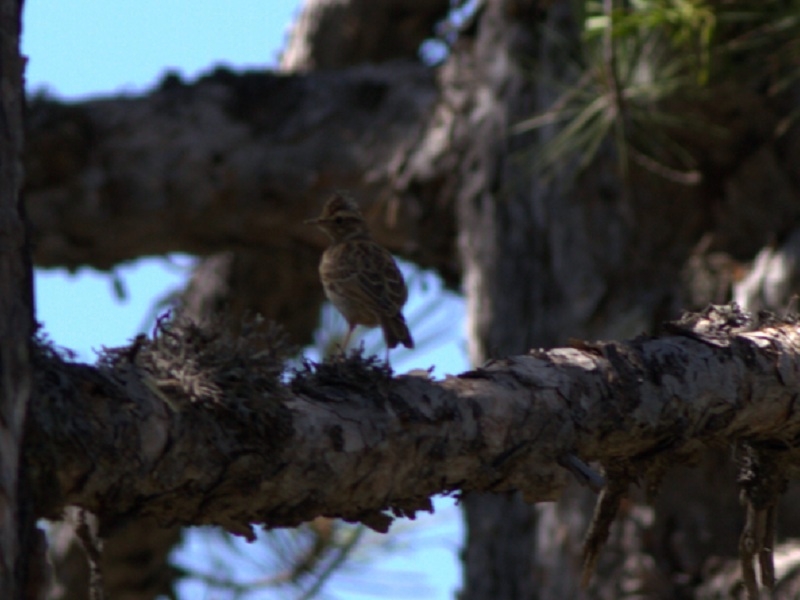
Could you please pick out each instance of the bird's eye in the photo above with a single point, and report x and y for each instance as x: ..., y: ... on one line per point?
x: 339, y: 220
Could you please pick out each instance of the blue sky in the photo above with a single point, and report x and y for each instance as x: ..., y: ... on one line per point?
x: 81, y: 48
x: 84, y: 47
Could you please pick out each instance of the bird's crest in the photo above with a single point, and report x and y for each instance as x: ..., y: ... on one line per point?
x: 340, y: 203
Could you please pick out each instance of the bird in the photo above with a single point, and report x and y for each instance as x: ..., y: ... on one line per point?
x: 360, y: 277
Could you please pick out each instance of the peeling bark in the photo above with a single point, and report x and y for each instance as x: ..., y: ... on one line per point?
x: 347, y: 440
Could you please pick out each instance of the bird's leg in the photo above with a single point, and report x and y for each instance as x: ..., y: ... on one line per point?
x: 350, y: 328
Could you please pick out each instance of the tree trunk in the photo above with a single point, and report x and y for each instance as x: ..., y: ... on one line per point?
x: 21, y: 546
x: 511, y: 228
x: 581, y: 255
x: 134, y: 564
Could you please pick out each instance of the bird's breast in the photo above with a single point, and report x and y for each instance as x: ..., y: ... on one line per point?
x: 339, y: 276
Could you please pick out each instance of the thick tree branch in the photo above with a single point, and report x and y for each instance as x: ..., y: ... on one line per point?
x: 220, y: 440
x: 234, y: 164
x: 231, y: 162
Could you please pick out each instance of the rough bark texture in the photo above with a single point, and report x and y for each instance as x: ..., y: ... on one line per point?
x: 503, y: 238
x: 143, y: 435
x: 21, y: 547
x: 574, y: 256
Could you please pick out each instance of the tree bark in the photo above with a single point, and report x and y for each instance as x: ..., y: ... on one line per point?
x: 583, y: 255
x: 231, y: 162
x: 21, y: 544
x: 231, y: 445
x: 585, y: 261
x: 502, y: 240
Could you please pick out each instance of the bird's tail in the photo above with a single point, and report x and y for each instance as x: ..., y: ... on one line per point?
x: 395, y: 331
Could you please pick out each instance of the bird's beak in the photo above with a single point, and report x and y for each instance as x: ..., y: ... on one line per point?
x: 311, y: 222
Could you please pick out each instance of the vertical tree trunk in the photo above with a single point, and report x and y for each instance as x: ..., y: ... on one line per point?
x: 508, y: 221
x: 571, y: 255
x: 544, y: 259
x: 19, y: 542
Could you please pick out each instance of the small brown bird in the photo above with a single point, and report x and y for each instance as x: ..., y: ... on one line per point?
x: 360, y: 277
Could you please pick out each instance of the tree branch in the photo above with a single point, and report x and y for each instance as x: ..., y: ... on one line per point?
x: 192, y: 428
x: 231, y: 162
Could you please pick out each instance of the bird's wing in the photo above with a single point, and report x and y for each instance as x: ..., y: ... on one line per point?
x: 368, y: 272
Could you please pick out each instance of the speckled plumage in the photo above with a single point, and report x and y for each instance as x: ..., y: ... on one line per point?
x: 359, y: 276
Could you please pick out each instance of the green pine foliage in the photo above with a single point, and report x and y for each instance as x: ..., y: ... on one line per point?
x: 646, y: 66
